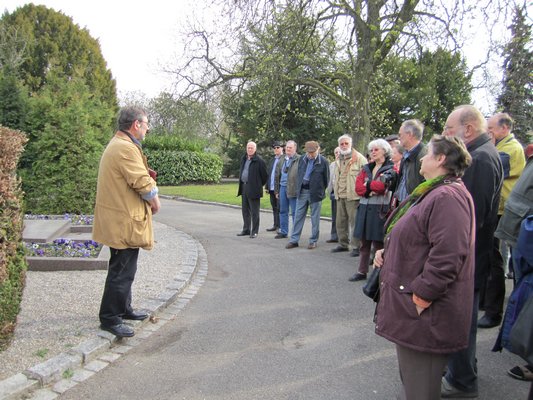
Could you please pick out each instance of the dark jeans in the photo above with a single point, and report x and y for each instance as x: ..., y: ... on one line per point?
x: 274, y: 202
x: 116, y: 300
x: 462, y: 366
x: 250, y: 214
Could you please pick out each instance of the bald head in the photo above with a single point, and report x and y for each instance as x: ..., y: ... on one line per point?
x: 466, y: 122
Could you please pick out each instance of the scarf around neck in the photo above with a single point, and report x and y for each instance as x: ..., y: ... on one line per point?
x: 417, y: 195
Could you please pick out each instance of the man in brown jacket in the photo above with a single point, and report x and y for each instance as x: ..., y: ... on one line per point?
x: 349, y: 165
x: 126, y: 198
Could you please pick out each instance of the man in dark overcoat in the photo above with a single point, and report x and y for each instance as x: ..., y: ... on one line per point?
x: 483, y: 179
x: 252, y: 178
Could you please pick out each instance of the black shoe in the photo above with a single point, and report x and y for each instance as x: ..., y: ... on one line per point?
x: 354, y: 253
x: 280, y: 236
x: 357, y: 277
x: 253, y: 235
x: 243, y: 233
x: 119, y: 330
x: 488, y: 322
x: 291, y: 245
x: 274, y: 228
x: 332, y: 241
x: 338, y: 249
x: 136, y: 316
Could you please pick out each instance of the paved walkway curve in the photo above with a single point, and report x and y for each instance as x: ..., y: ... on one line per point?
x: 47, y: 380
x: 269, y: 323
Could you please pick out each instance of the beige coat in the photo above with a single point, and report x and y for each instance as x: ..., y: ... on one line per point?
x: 353, y: 168
x: 122, y: 219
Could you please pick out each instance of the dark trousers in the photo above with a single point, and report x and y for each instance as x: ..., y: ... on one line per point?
x: 116, y: 300
x: 250, y: 214
x: 364, y: 256
x: 494, y: 290
x: 333, y: 234
x: 274, y: 202
x: 462, y: 366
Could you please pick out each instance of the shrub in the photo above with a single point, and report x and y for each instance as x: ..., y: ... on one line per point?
x: 12, y: 262
x: 174, y: 142
x: 59, y: 171
x: 175, y: 167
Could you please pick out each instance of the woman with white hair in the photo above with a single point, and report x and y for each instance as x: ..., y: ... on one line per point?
x: 373, y: 185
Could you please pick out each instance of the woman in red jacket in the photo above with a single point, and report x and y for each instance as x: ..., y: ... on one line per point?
x: 373, y: 184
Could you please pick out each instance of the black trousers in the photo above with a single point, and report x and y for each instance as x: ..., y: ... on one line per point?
x: 116, y: 300
x: 250, y: 214
x: 274, y: 202
x: 333, y: 234
x: 494, y: 290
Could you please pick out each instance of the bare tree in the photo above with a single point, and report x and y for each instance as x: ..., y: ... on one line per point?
x: 333, y: 46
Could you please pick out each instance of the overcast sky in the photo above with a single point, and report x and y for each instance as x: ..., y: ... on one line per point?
x: 136, y: 37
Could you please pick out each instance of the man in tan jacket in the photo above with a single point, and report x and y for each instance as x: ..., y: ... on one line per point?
x: 349, y: 165
x: 126, y: 198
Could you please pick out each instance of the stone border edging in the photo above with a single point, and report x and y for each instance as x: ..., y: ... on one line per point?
x: 98, y: 352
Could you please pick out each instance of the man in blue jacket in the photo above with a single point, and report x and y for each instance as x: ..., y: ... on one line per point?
x: 313, y: 177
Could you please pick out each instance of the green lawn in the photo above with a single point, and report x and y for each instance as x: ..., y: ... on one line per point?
x: 225, y: 193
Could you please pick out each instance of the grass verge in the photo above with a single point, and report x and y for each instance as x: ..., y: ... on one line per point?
x: 225, y: 193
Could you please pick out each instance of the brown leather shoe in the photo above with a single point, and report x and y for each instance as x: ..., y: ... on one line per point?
x: 311, y: 246
x: 291, y: 245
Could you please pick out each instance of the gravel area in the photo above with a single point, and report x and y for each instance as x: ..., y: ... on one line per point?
x: 59, y: 310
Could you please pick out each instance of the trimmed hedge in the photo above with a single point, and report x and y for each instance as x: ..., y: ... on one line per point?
x: 175, y: 167
x: 12, y: 262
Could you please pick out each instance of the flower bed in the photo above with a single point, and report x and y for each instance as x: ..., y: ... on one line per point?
x: 62, y: 243
x: 75, y: 219
x: 64, y: 248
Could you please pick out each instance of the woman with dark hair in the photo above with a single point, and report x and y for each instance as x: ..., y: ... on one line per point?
x: 372, y: 184
x: 427, y: 271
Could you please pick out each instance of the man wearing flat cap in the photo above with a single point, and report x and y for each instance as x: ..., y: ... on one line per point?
x: 271, y: 183
x: 313, y: 177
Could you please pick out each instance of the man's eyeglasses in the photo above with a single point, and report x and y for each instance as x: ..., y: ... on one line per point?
x: 277, y: 147
x: 344, y: 143
x: 146, y: 122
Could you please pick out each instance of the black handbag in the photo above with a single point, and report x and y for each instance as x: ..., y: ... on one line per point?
x: 521, y: 336
x: 371, y: 287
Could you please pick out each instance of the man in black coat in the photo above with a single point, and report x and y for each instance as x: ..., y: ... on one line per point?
x: 483, y: 179
x: 252, y: 178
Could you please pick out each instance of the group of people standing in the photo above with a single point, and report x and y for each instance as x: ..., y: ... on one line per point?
x: 429, y: 214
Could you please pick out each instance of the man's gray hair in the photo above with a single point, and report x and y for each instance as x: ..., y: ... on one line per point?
x: 128, y: 115
x: 345, y: 136
x: 415, y: 127
x: 293, y: 142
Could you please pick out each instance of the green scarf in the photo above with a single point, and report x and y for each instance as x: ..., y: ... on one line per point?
x: 417, y: 194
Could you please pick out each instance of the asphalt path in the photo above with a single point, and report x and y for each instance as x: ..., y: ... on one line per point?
x: 270, y: 323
